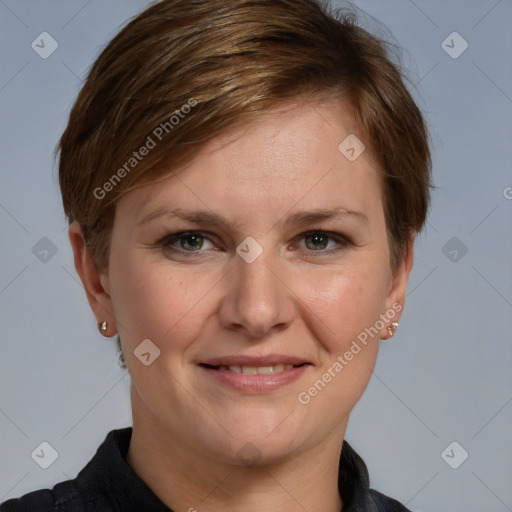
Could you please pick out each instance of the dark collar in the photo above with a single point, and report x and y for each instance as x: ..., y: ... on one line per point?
x: 108, y: 474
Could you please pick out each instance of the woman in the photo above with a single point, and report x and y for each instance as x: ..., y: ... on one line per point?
x: 244, y: 181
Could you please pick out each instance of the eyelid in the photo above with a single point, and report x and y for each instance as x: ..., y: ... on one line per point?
x: 343, y: 242
x: 175, y: 237
x: 330, y: 234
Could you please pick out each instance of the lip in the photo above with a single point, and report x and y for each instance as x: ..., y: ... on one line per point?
x: 259, y: 383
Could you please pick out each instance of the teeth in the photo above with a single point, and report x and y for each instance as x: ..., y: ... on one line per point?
x: 271, y: 369
x: 259, y: 370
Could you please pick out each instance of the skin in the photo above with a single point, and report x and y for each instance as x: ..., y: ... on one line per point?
x: 294, y: 299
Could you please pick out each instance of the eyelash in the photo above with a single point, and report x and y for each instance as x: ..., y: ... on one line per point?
x: 343, y: 242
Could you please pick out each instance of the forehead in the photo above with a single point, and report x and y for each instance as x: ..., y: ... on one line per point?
x: 291, y: 157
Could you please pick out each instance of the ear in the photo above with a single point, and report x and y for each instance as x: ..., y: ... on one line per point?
x: 395, y: 299
x: 96, y: 283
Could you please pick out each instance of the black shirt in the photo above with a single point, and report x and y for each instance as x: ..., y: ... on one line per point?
x: 109, y: 484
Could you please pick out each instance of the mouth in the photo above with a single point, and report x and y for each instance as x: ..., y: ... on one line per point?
x: 254, y: 375
x: 254, y: 370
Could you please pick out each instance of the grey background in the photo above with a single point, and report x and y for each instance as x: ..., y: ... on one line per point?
x: 446, y: 376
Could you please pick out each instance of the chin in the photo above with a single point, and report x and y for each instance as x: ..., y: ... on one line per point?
x: 260, y: 438
x: 259, y: 453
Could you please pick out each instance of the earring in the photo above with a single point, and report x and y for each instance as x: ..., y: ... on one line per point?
x: 103, y: 327
x: 392, y: 329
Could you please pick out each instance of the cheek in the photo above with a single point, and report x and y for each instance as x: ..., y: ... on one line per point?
x: 152, y: 302
x: 345, y: 301
x: 345, y: 307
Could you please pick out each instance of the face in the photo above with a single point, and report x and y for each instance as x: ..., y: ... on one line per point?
x: 254, y: 272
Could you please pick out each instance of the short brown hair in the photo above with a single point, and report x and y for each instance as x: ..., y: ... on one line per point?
x: 194, y: 68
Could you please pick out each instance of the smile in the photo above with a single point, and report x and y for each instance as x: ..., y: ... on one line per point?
x: 255, y: 370
x: 254, y: 377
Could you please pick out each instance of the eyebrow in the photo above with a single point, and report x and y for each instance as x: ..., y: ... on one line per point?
x: 214, y: 219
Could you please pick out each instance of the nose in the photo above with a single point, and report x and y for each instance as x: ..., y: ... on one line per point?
x: 258, y: 300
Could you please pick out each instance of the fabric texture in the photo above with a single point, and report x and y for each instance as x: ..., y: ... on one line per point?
x: 109, y: 484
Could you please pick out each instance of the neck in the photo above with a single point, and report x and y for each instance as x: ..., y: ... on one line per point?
x: 187, y: 480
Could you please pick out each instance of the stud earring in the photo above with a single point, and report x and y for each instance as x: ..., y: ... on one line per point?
x: 392, y: 329
x: 103, y: 327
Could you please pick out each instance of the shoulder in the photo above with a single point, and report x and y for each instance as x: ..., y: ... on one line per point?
x: 91, y: 490
x: 64, y: 496
x: 387, y: 504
